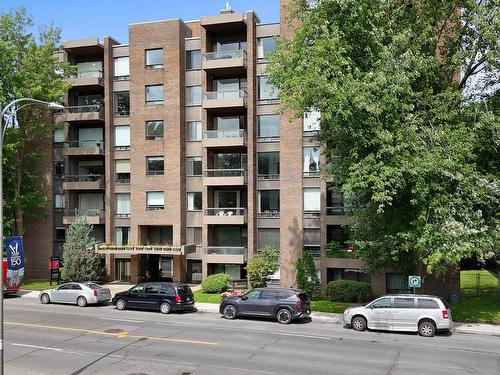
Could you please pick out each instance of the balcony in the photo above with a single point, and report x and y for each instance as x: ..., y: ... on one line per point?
x: 88, y: 79
x: 83, y: 148
x: 225, y: 101
x: 233, y: 216
x: 227, y: 22
x: 269, y: 214
x: 225, y: 62
x: 145, y: 249
x: 226, y: 254
x: 94, y: 112
x: 224, y: 177
x: 225, y: 138
x: 83, y: 182
x: 93, y: 216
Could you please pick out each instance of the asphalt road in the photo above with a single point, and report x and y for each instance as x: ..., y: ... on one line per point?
x: 66, y: 339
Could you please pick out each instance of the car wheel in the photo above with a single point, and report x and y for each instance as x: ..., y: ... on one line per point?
x: 284, y: 316
x: 121, y: 304
x: 81, y: 301
x: 229, y: 312
x: 358, y: 323
x: 165, y: 308
x: 426, y: 329
x: 45, y: 299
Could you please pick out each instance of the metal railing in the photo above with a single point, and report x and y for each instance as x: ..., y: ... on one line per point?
x: 122, y: 215
x: 83, y: 212
x: 230, y: 94
x: 82, y: 108
x: 269, y: 214
x: 85, y: 144
x: 95, y: 73
x: 311, y: 174
x: 268, y: 177
x: 224, y: 172
x: 83, y: 177
x: 222, y: 55
x: 225, y: 250
x: 338, y: 210
x: 233, y: 211
x: 311, y: 214
x: 214, y: 134
x: 122, y: 180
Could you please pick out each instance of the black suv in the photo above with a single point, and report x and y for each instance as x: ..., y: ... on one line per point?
x: 283, y: 304
x: 165, y: 297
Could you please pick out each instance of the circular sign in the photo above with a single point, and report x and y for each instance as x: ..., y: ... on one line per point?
x: 414, y: 281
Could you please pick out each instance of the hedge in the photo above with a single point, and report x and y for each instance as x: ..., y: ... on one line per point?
x: 216, y: 283
x: 348, y: 291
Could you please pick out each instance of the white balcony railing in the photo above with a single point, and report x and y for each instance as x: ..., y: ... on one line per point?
x: 218, y: 134
x: 222, y: 55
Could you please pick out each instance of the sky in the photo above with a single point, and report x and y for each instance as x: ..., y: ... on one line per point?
x: 100, y: 18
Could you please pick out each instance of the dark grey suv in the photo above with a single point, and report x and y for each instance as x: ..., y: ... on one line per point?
x: 283, y: 304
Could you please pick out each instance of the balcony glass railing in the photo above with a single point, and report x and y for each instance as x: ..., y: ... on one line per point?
x: 224, y: 172
x: 225, y: 250
x: 222, y: 55
x: 83, y: 108
x: 83, y: 178
x: 218, y: 134
x: 338, y: 210
x: 230, y: 94
x: 85, y: 144
x: 89, y: 74
x: 83, y: 212
x: 235, y: 211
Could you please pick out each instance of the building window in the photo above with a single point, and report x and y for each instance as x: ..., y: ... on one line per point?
x: 121, y: 68
x: 334, y: 202
x: 269, y: 203
x: 231, y: 86
x: 193, y: 131
x: 311, y: 200
x: 268, y: 127
x: 154, y: 94
x: 193, y: 59
x: 193, y: 236
x: 59, y: 201
x: 154, y: 130
x: 269, y: 165
x: 334, y: 274
x: 60, y: 234
x: 154, y: 165
x: 266, y: 46
x: 121, y: 103
x: 266, y: 90
x: 193, y: 166
x: 122, y: 204
x: 312, y: 120
x: 193, y: 95
x: 89, y: 69
x: 122, y: 170
x: 122, y: 236
x: 154, y: 58
x: 58, y: 136
x: 336, y: 234
x: 311, y: 161
x: 312, y: 241
x: 268, y: 237
x: 155, y: 200
x: 122, y: 137
x: 59, y: 168
x: 194, y: 201
x: 396, y: 283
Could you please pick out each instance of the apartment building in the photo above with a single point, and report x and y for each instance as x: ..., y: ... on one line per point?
x: 173, y: 148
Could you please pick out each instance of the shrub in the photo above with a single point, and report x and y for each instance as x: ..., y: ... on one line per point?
x: 348, y: 291
x: 261, y: 265
x: 216, y: 283
x: 307, y: 276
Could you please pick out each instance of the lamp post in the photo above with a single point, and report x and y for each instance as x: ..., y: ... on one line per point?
x: 28, y: 101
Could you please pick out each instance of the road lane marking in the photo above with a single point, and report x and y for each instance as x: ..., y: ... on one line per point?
x: 300, y: 335
x: 123, y: 320
x: 119, y: 335
x: 60, y: 350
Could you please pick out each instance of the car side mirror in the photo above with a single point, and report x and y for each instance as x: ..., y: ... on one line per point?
x: 244, y: 298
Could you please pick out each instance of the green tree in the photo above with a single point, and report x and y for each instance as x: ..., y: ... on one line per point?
x: 404, y: 92
x: 261, y: 265
x: 307, y: 276
x: 28, y: 68
x: 81, y: 262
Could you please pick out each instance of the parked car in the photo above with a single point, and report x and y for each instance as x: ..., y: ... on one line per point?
x: 79, y: 293
x: 283, y: 304
x: 163, y: 296
x: 403, y: 312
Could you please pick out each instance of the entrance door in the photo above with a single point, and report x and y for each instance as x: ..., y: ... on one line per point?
x: 194, y: 271
x: 166, y: 268
x: 122, y: 269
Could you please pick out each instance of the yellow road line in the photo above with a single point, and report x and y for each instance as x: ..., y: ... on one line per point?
x: 117, y: 335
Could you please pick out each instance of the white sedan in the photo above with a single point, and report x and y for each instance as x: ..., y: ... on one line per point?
x: 77, y: 293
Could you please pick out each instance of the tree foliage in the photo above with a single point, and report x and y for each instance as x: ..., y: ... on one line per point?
x: 28, y: 69
x: 307, y: 276
x: 408, y: 119
x: 262, y: 265
x: 81, y: 262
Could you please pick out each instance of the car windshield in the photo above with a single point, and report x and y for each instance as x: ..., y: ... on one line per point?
x: 93, y: 286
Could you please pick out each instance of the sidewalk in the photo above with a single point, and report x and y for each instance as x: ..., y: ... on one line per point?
x: 459, y: 327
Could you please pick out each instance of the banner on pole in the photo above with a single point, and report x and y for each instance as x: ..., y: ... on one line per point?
x: 15, y: 260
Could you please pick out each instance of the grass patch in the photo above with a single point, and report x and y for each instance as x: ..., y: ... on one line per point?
x: 37, y: 284
x: 482, y: 308
x: 325, y: 305
x: 201, y: 297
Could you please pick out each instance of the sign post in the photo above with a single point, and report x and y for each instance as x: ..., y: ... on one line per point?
x: 54, y: 267
x: 414, y: 282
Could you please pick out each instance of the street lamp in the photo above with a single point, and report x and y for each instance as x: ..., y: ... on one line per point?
x: 10, y: 106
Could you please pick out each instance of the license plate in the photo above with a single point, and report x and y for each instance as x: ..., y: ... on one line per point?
x: 188, y: 299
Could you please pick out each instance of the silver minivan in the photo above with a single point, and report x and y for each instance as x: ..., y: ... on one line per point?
x: 402, y: 312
